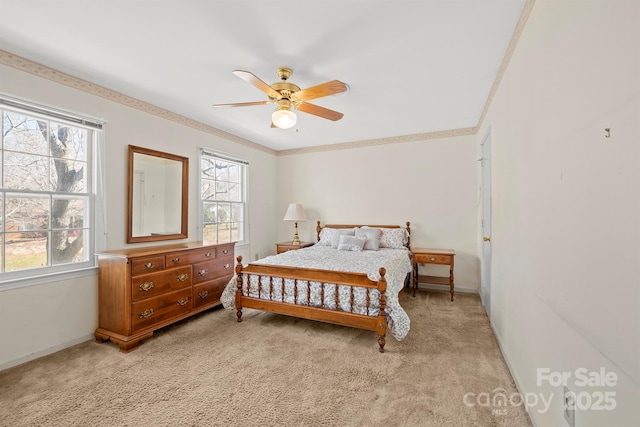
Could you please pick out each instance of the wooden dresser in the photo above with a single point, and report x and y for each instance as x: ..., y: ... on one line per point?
x: 143, y: 289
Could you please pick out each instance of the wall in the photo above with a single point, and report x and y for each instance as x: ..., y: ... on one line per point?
x: 43, y: 318
x: 566, y: 206
x: 430, y: 183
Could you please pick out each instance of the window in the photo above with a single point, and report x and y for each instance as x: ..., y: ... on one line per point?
x: 223, y: 198
x: 46, y: 191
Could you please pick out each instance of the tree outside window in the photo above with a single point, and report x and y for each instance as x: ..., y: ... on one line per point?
x: 45, y: 192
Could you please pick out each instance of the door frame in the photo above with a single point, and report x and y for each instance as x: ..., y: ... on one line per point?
x: 485, y: 221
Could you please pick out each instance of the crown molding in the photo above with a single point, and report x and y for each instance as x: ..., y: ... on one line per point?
x: 43, y: 71
x: 524, y: 16
x: 381, y: 141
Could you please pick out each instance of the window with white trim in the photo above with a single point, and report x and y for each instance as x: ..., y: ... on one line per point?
x: 223, y: 197
x: 47, y: 191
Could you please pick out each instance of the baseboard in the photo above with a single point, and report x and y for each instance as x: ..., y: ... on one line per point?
x: 45, y: 352
x: 446, y: 288
x: 507, y: 359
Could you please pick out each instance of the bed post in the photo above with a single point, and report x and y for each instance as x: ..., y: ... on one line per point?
x: 318, y: 230
x: 408, y: 235
x: 239, y: 290
x: 382, y: 315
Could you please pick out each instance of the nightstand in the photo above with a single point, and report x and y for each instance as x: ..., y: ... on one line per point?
x: 288, y: 246
x: 432, y: 256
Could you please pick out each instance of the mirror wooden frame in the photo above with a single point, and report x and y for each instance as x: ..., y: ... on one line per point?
x: 184, y: 197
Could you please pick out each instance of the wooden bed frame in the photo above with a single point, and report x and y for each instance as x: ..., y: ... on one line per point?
x: 363, y: 321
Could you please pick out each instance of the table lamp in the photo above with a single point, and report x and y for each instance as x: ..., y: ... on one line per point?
x: 295, y: 212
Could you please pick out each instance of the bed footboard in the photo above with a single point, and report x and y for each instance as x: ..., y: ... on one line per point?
x: 302, y: 279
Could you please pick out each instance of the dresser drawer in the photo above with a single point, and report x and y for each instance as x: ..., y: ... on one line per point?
x: 432, y: 259
x: 209, y: 292
x: 148, y: 312
x: 189, y: 257
x: 147, y: 265
x: 154, y: 284
x: 224, y: 250
x: 205, y: 271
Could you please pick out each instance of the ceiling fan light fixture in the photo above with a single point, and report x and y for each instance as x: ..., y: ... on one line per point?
x: 284, y: 118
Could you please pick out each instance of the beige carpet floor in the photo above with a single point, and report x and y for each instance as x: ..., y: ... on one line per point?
x: 273, y: 370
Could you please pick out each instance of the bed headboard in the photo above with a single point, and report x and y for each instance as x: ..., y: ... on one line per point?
x: 408, y: 227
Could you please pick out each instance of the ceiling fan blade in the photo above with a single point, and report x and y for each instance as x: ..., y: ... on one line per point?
x: 316, y: 110
x: 255, y: 81
x: 243, y: 104
x: 328, y: 88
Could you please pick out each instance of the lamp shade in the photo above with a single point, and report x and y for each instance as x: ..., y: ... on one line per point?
x: 295, y: 212
x: 284, y: 119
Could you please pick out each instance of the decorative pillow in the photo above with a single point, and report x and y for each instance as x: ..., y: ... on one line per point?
x: 341, y: 232
x: 351, y: 243
x: 393, y: 238
x: 373, y: 238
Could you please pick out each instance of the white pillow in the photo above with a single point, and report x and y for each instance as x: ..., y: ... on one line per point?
x: 331, y: 236
x: 393, y: 238
x: 351, y: 243
x: 373, y: 238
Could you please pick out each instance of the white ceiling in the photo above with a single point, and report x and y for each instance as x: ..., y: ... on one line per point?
x: 412, y: 66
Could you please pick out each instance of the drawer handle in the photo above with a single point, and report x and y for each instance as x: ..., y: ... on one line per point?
x: 202, y: 272
x: 176, y: 260
x: 183, y: 277
x: 149, y: 265
x: 146, y: 314
x: 226, y: 251
x: 147, y: 286
x: 203, y: 294
x: 208, y: 254
x: 432, y: 259
x: 227, y: 266
x: 183, y: 301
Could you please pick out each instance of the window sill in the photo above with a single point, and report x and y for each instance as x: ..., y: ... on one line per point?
x: 8, y: 285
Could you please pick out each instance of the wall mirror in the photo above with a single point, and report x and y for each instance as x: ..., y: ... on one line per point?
x: 157, y: 196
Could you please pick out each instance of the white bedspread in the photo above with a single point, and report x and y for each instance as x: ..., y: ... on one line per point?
x: 395, y: 261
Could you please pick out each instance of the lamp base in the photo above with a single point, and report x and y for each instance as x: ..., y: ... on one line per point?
x: 296, y: 239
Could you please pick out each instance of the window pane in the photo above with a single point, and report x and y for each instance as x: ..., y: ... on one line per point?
x: 67, y: 246
x: 70, y: 142
x: 69, y: 213
x: 236, y: 232
x: 207, y: 167
x: 221, y: 171
x: 27, y: 213
x: 236, y: 212
x: 234, y: 173
x: 210, y: 233
x: 25, y: 134
x: 25, y: 172
x: 208, y: 188
x: 234, y: 193
x: 209, y: 213
x: 222, y: 191
x: 26, y: 250
x: 68, y: 176
x: 224, y: 212
x: 224, y: 232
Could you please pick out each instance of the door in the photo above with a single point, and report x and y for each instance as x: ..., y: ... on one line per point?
x: 485, y: 194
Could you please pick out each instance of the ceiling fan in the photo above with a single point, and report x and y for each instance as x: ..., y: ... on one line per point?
x: 288, y: 96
